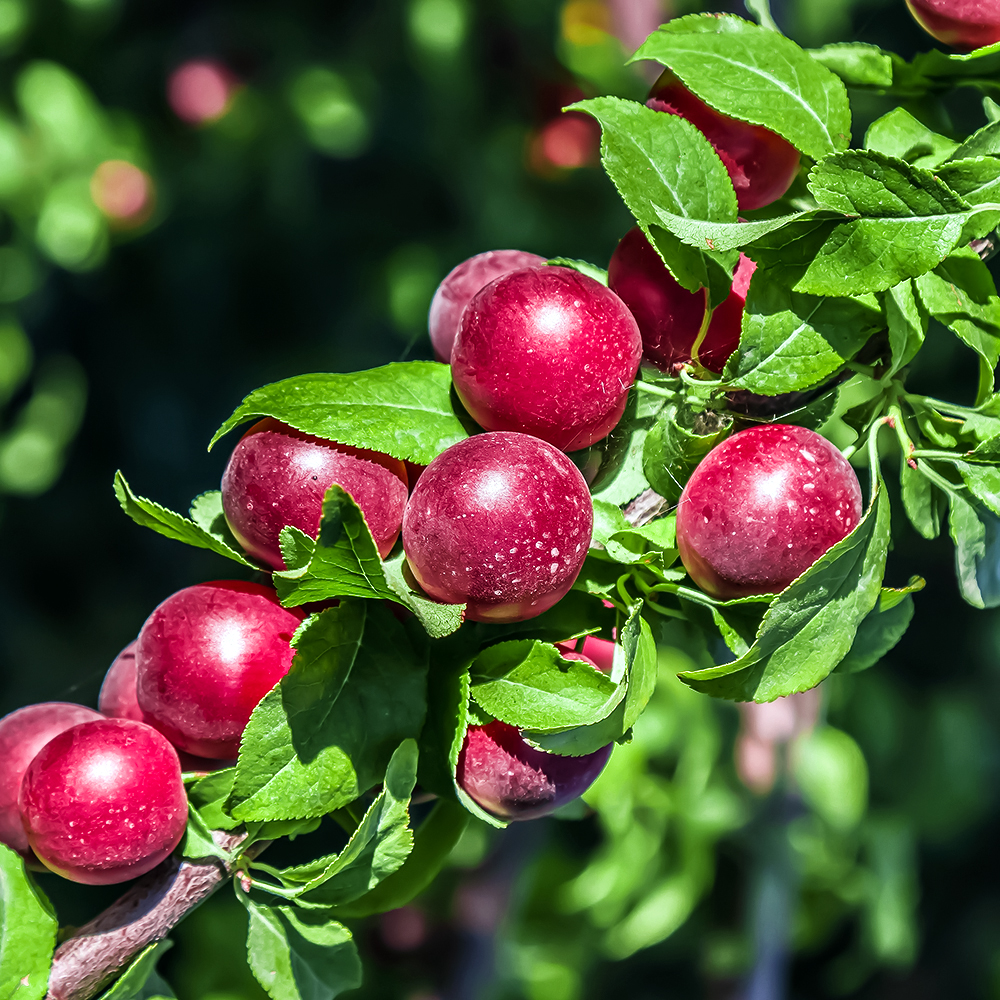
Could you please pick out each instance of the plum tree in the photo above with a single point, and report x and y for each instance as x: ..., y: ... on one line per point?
x: 963, y: 24
x: 206, y: 656
x: 762, y: 507
x: 458, y: 287
x: 103, y: 801
x: 761, y: 164
x: 510, y: 779
x: 547, y: 351
x: 500, y: 522
x: 668, y: 315
x: 22, y: 734
x: 277, y: 476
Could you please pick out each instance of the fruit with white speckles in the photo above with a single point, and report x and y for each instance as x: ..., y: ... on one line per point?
x: 500, y: 522
x: 762, y: 507
x: 103, y: 802
x: 963, y: 24
x: 547, y: 351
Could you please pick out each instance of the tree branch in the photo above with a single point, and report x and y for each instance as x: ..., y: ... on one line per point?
x: 100, y: 950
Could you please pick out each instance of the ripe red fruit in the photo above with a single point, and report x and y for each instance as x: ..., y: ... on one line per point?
x: 761, y: 164
x: 599, y: 653
x: 22, y: 734
x: 512, y: 780
x: 460, y: 284
x: 103, y: 802
x: 668, y: 315
x: 277, y: 476
x: 547, y: 351
x: 501, y: 522
x: 762, y: 507
x: 206, y: 656
x: 963, y: 24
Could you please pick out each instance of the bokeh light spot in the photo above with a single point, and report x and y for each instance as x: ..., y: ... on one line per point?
x: 201, y: 91
x: 122, y: 191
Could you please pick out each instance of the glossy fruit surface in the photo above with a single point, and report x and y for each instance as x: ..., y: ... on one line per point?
x: 278, y: 475
x: 599, y: 653
x: 22, y: 734
x: 103, y: 802
x: 501, y: 522
x: 762, y: 507
x: 549, y: 352
x: 205, y: 658
x: 510, y: 779
x: 458, y: 287
x: 761, y: 164
x: 963, y: 24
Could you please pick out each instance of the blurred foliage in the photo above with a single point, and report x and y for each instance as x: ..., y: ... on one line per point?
x: 288, y: 203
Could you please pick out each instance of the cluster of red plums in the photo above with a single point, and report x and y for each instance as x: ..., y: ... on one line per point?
x: 543, y: 358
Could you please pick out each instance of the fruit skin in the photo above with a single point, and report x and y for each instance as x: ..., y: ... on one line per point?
x: 762, y: 507
x: 23, y: 733
x: 205, y: 658
x: 760, y: 163
x: 458, y: 287
x: 599, y: 653
x: 668, y: 315
x: 963, y: 24
x: 512, y: 780
x: 547, y: 351
x: 277, y: 475
x: 103, y: 801
x: 501, y: 522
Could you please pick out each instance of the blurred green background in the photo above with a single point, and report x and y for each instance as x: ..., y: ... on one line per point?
x: 198, y: 198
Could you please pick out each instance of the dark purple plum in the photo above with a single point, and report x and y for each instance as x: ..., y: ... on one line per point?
x: 205, y: 658
x: 547, y: 351
x: 762, y: 507
x: 512, y: 780
x: 501, y: 522
x: 103, y: 802
x: 460, y: 284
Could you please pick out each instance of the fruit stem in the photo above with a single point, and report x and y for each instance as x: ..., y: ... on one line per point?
x: 702, y: 332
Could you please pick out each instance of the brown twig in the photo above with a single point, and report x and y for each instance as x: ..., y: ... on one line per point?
x: 145, y: 914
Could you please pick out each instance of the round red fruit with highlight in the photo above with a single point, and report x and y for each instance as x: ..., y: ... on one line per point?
x: 205, y: 658
x: 599, y: 653
x: 459, y: 286
x: 23, y: 733
x: 762, y: 507
x: 500, y: 522
x: 103, y: 802
x: 963, y: 24
x: 761, y: 164
x: 512, y: 780
x: 547, y: 351
x: 278, y: 476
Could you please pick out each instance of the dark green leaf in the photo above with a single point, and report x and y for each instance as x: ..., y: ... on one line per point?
x: 326, y: 733
x: 975, y: 530
x: 755, y: 75
x: 977, y: 68
x: 881, y: 629
x: 899, y: 134
x: 673, y: 448
x: 584, y: 267
x: 404, y: 409
x: 27, y: 931
x: 810, y: 626
x: 529, y: 685
x: 856, y: 63
x: 922, y: 503
x: 132, y: 983
x: 205, y: 531
x: 299, y: 955
x: 907, y: 320
x: 620, y: 477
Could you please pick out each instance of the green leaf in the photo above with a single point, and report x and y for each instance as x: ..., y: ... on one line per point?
x: 907, y: 320
x: 326, y: 733
x: 207, y: 530
x: 673, y: 448
x: 899, y: 134
x: 654, y: 542
x: 635, y: 671
x: 584, y: 267
x: 433, y: 841
x: 755, y: 75
x: 133, y: 982
x: 977, y: 180
x: 761, y: 10
x: 810, y: 626
x: 403, y: 409
x: 794, y: 341
x: 377, y: 848
x: 299, y: 955
x: 659, y: 161
x: 27, y: 931
x: 209, y: 795
x: 983, y: 482
x: 976, y: 68
x: 910, y: 222
x: 985, y: 142
x: 975, y: 530
x: 529, y: 685
x: 438, y: 619
x: 922, y: 503
x: 858, y: 64
x: 880, y: 629
x: 198, y: 842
